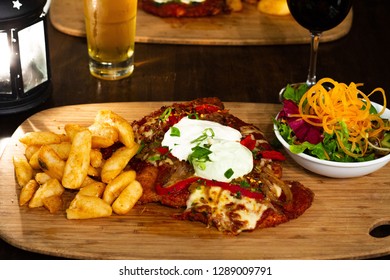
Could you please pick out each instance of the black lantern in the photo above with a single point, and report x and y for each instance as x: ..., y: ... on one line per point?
x: 24, y: 58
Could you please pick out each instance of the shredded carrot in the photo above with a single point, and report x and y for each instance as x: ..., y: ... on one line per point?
x: 343, y: 107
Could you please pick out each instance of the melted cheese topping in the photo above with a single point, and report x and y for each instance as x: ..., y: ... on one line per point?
x: 228, y: 212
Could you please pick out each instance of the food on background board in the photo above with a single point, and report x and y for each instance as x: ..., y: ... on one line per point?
x: 206, y: 8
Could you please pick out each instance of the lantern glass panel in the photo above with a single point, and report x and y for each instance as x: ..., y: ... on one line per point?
x: 33, y: 55
x: 5, y: 75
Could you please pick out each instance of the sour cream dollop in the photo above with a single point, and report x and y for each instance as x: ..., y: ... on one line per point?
x: 227, y: 158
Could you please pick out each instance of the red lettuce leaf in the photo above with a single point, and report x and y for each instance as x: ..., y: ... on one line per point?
x: 303, y: 130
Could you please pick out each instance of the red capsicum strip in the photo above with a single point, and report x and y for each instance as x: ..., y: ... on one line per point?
x: 248, y: 142
x: 177, y: 187
x: 274, y: 155
x: 184, y: 184
x: 206, y: 108
x: 162, y: 150
x: 234, y: 189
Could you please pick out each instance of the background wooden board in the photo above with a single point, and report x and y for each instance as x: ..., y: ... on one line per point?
x: 248, y: 27
x: 335, y: 227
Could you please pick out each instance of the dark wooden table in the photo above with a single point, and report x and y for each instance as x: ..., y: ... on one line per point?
x: 232, y: 73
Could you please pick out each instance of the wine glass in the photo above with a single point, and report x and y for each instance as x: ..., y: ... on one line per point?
x: 317, y: 16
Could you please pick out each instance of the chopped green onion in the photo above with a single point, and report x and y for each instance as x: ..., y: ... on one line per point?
x: 193, y: 116
x: 199, y: 157
x: 199, y: 139
x: 200, y: 153
x: 154, y: 158
x: 141, y: 147
x: 200, y: 164
x: 175, y: 132
x: 165, y: 115
x: 229, y: 173
x: 212, y: 134
x: 244, y: 184
x: 208, y: 132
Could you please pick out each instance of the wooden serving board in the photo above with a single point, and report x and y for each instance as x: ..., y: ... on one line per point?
x: 337, y: 225
x: 248, y: 27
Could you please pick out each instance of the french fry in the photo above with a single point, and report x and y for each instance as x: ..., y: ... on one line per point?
x: 31, y: 150
x: 50, y: 162
x: 93, y: 172
x: 72, y: 129
x: 34, y: 161
x: 88, y: 207
x: 53, y: 203
x: 28, y: 191
x: 117, y: 162
x: 94, y: 189
x: 42, y: 177
x: 62, y: 149
x: 105, y: 131
x: 64, y: 138
x: 77, y: 164
x: 128, y: 198
x: 101, y: 142
x: 50, y: 188
x: 40, y: 138
x: 87, y: 181
x: 23, y: 171
x: 56, y: 162
x: 103, y: 135
x: 96, y: 158
x: 126, y: 134
x: 116, y: 186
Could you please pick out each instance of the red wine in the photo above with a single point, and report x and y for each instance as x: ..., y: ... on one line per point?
x: 319, y: 15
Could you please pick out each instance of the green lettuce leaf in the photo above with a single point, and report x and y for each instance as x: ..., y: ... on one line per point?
x: 295, y: 94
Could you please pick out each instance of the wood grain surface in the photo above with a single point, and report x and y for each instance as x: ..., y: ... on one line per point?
x: 248, y: 27
x: 337, y: 225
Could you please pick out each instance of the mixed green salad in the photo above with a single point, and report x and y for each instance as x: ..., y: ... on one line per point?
x: 337, y: 124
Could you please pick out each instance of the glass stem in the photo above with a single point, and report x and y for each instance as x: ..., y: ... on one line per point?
x: 315, y: 40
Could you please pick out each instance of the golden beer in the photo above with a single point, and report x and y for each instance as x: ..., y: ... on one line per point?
x: 110, y: 27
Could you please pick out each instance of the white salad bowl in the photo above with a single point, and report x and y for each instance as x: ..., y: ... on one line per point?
x: 337, y: 169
